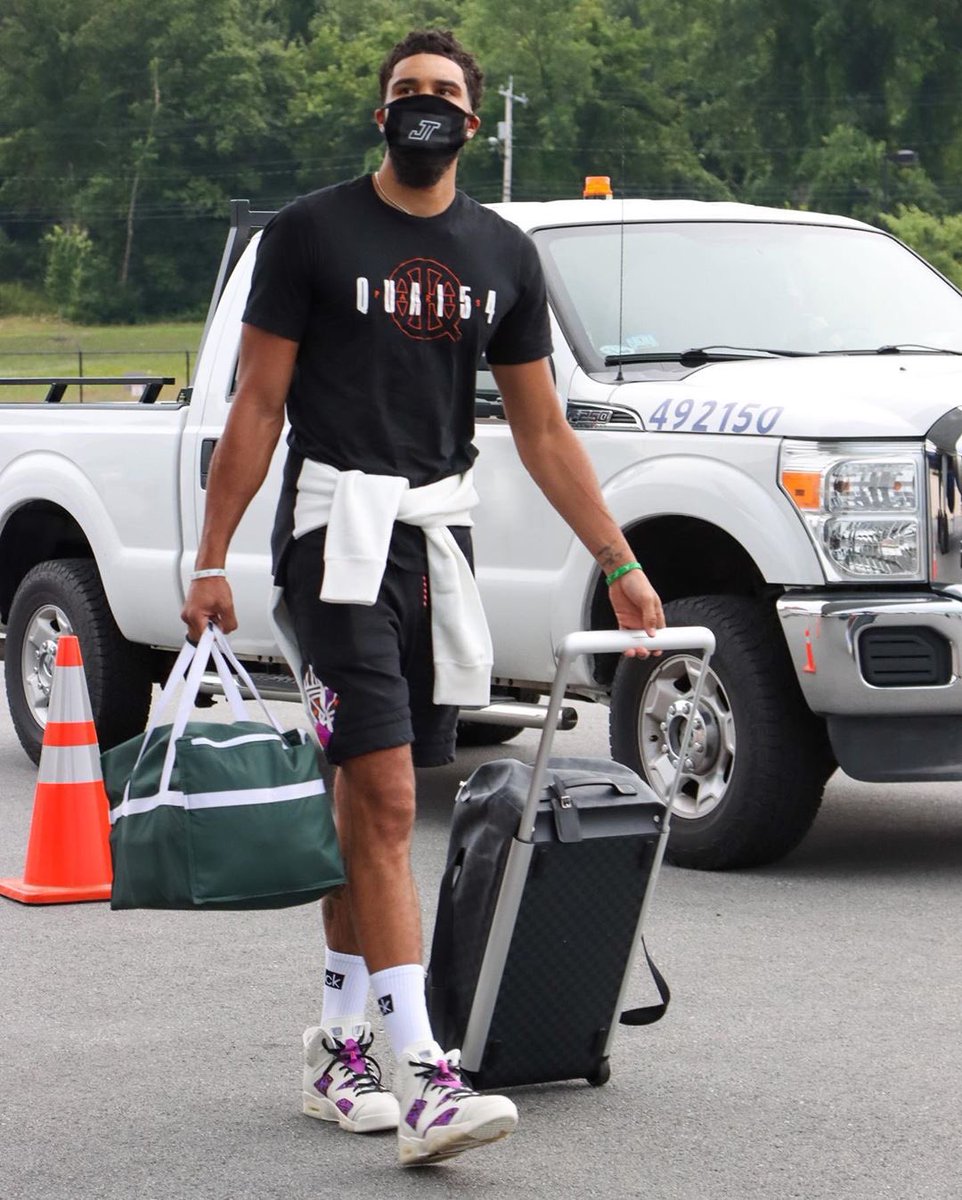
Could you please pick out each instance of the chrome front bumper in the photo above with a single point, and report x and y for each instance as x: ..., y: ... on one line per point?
x: 823, y: 633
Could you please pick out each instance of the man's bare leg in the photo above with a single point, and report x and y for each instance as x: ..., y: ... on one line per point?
x: 376, y: 914
x: 374, y: 917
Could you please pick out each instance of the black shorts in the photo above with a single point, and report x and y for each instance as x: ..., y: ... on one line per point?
x: 368, y: 670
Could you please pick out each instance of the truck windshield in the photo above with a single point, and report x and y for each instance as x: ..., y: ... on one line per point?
x: 805, y: 289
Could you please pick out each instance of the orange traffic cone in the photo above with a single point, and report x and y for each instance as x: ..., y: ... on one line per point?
x: 68, y: 855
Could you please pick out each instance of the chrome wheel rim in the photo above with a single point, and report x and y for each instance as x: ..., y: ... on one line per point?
x: 665, y: 706
x: 38, y: 655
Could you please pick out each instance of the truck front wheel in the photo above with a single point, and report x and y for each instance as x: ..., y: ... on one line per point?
x: 759, y: 759
x: 66, y: 596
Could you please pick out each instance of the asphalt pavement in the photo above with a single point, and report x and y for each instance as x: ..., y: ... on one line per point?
x: 812, y: 1048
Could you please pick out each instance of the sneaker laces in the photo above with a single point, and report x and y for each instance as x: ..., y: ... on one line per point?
x: 439, y: 1075
x: 353, y: 1055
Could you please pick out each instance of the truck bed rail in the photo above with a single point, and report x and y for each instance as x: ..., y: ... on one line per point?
x: 58, y: 384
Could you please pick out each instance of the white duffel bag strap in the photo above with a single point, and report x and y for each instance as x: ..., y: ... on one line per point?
x: 228, y: 683
x: 186, y: 703
x: 185, y: 661
x: 187, y: 675
x: 188, y: 671
x: 228, y: 665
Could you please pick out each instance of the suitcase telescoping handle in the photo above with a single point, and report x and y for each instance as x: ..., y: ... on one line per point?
x: 614, y: 641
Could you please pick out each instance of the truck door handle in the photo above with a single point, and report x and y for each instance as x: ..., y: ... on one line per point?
x: 206, y: 453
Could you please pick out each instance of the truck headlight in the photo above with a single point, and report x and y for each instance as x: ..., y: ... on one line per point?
x: 861, y: 504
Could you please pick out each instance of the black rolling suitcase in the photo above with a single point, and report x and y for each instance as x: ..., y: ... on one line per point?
x: 550, y: 873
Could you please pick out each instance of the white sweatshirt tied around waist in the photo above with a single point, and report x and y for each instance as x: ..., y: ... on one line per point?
x: 359, y: 511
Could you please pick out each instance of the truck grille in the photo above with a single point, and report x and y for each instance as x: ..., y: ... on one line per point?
x: 904, y: 656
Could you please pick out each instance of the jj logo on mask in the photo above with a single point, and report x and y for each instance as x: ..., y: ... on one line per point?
x: 424, y: 130
x: 424, y: 135
x: 429, y: 124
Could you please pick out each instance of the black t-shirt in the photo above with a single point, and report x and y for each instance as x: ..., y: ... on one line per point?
x: 392, y: 314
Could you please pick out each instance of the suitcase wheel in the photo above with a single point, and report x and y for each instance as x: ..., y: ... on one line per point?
x: 601, y: 1074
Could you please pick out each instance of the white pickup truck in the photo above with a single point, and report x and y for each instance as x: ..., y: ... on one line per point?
x: 771, y: 401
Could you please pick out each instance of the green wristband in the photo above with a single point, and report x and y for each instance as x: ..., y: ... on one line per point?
x: 623, y: 570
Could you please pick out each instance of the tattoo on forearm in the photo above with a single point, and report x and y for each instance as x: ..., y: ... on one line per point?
x: 609, y: 557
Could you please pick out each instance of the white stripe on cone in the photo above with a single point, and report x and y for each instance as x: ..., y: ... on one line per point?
x: 69, y: 705
x: 69, y: 698
x: 69, y: 764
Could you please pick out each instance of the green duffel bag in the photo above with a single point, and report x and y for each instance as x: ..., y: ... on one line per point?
x: 208, y: 815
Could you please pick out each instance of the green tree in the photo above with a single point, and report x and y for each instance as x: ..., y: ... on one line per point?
x: 596, y: 104
x: 68, y: 250
x: 850, y: 173
x: 138, y: 122
x: 763, y: 86
x: 936, y: 239
x: 330, y: 117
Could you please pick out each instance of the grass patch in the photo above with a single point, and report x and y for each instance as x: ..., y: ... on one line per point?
x: 16, y: 297
x: 39, y: 346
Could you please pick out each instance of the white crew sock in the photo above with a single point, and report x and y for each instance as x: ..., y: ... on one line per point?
x: 345, y: 987
x: 399, y: 994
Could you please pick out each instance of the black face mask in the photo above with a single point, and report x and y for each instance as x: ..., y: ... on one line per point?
x: 424, y: 135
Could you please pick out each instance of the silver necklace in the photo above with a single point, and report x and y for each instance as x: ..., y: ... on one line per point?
x: 387, y: 199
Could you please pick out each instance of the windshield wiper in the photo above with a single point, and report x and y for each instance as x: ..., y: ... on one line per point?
x: 900, y: 348
x: 704, y: 354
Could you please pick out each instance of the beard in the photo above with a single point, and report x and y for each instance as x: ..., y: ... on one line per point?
x: 420, y: 168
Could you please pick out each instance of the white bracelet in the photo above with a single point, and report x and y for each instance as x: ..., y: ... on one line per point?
x: 209, y: 573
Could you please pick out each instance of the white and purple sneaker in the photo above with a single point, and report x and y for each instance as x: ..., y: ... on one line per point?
x: 342, y: 1082
x: 440, y: 1115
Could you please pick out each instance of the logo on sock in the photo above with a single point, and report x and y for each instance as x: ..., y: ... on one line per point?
x: 385, y: 1004
x: 333, y: 980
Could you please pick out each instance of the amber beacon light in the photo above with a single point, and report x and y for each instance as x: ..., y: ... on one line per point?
x: 597, y: 187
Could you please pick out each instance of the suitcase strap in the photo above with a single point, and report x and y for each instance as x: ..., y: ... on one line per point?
x: 564, y: 783
x: 567, y: 820
x: 653, y: 1012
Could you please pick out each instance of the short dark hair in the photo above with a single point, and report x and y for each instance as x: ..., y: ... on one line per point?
x: 435, y: 41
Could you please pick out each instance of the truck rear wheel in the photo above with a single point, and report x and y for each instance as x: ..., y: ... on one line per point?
x: 66, y: 596
x: 760, y: 759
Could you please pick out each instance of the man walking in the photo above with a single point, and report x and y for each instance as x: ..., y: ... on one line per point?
x: 370, y: 306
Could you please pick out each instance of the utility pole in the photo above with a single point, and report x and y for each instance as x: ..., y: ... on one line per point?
x: 505, y: 134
